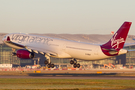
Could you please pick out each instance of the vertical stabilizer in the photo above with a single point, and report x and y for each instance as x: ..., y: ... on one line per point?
x: 117, y: 41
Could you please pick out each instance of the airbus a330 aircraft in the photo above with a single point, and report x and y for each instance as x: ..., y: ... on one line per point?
x: 27, y: 45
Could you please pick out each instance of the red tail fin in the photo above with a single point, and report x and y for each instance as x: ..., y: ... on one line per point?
x: 118, y: 39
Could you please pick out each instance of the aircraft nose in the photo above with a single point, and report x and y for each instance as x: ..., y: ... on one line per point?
x: 3, y: 39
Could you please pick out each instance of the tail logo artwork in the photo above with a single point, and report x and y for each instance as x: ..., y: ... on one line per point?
x: 116, y: 42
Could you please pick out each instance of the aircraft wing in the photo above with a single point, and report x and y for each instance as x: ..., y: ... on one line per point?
x: 41, y: 50
x: 32, y: 49
x: 129, y: 44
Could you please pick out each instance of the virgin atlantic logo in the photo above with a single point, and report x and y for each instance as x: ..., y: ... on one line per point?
x: 115, y: 42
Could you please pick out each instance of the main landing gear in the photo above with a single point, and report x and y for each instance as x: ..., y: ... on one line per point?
x: 75, y: 64
x: 48, y: 62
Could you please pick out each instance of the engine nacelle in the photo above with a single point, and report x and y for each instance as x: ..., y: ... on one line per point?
x: 24, y: 54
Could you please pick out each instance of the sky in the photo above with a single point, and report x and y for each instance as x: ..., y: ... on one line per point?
x: 66, y: 16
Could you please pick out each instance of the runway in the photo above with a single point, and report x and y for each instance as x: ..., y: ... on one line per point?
x: 126, y: 74
x: 44, y: 76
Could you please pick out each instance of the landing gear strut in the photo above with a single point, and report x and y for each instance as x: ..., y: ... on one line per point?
x: 75, y: 64
x: 48, y: 62
x: 13, y: 52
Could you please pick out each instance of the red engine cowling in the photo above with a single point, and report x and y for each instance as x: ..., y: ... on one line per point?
x: 24, y: 54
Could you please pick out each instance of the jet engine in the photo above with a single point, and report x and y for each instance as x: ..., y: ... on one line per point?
x: 24, y: 54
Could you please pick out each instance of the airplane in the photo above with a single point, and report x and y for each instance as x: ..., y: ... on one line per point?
x: 27, y: 45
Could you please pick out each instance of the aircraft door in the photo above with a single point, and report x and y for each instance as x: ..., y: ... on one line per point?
x: 96, y: 51
x: 64, y: 47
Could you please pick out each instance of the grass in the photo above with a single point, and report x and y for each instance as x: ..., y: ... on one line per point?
x: 82, y: 84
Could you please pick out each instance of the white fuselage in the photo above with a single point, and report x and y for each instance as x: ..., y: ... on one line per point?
x: 59, y: 47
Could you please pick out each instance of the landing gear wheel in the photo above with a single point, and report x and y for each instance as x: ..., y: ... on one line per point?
x: 71, y: 62
x: 52, y: 65
x: 78, y: 65
x: 75, y: 65
x: 49, y: 65
x: 46, y: 62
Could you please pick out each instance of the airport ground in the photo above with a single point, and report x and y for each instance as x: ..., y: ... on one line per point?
x: 69, y: 79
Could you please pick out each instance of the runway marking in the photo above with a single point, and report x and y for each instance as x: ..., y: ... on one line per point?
x: 99, y: 72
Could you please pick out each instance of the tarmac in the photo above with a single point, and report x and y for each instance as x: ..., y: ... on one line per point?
x: 122, y: 74
x: 74, y: 77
